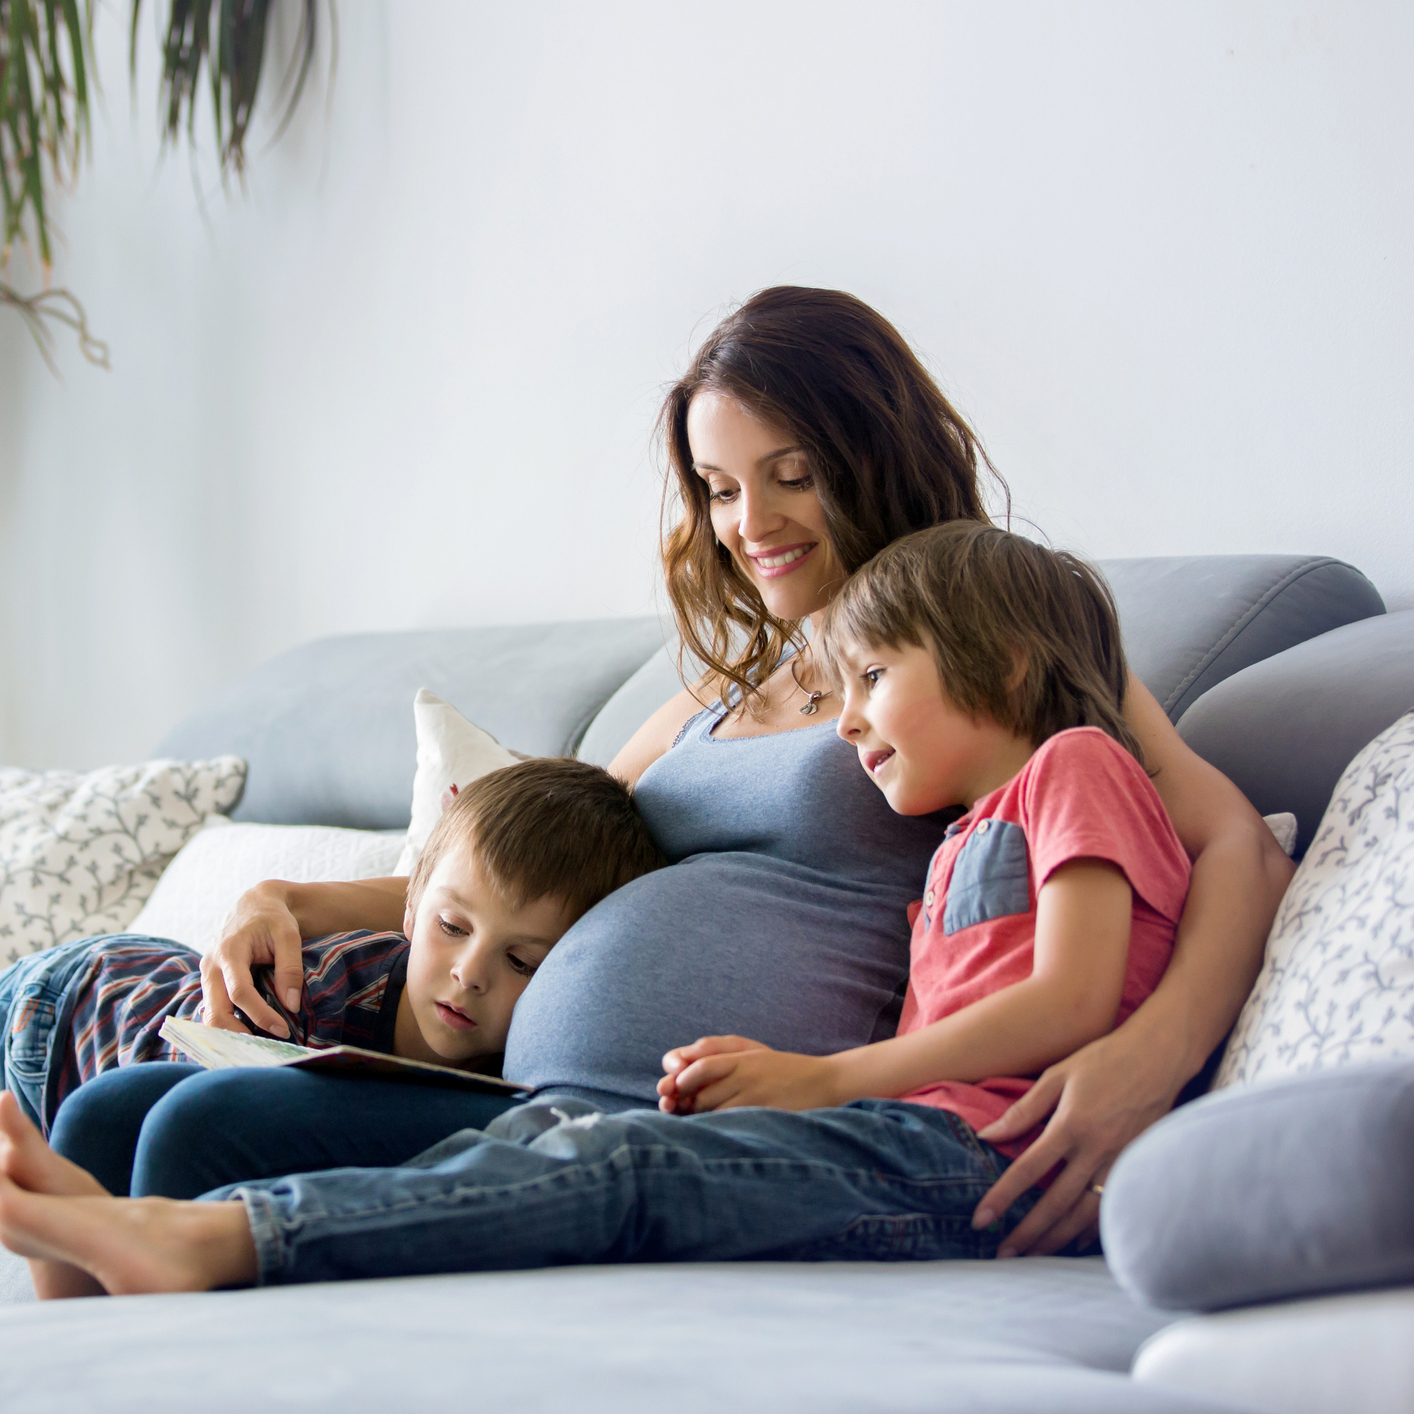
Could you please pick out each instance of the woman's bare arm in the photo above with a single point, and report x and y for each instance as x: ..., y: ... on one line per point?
x: 656, y: 736
x: 1107, y: 1094
x: 268, y: 926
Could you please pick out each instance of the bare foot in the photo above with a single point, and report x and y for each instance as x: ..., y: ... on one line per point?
x: 28, y: 1162
x: 131, y: 1245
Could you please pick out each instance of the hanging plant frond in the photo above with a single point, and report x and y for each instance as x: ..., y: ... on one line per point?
x: 58, y: 307
x: 45, y: 59
x: 45, y: 48
x: 46, y: 68
x: 227, y: 37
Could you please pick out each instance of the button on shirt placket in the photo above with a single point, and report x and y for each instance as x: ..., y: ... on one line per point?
x: 931, y: 897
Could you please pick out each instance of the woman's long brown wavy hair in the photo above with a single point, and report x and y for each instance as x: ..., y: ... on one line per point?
x: 887, y: 451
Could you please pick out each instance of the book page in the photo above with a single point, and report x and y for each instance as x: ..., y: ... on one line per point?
x: 217, y: 1049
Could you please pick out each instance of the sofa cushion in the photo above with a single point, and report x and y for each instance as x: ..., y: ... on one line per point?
x: 1188, y: 621
x: 1285, y: 1189
x: 1337, y: 981
x: 1285, y: 729
x: 327, y: 730
x: 627, y: 710
x: 1351, y: 1352
x: 1191, y: 621
x: 326, y: 733
x: 1048, y: 1334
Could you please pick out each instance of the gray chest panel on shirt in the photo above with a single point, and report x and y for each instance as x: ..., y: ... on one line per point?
x: 990, y: 876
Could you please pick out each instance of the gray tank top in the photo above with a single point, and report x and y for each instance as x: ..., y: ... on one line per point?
x: 783, y: 917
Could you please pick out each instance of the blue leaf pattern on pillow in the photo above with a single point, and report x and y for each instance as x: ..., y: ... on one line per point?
x: 80, y: 853
x: 1337, y: 983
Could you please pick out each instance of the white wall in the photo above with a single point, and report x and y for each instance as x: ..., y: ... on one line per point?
x: 1160, y: 254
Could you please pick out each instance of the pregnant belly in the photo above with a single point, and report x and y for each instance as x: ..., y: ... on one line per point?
x: 719, y: 943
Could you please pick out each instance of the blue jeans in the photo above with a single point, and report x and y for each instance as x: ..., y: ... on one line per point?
x: 553, y: 1184
x: 37, y: 997
x: 177, y: 1131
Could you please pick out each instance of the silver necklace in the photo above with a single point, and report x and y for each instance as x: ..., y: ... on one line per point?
x: 813, y: 705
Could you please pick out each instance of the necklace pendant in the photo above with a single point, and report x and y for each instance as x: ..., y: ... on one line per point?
x: 810, y: 708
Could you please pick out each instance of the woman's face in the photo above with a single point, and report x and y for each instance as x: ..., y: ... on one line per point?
x: 765, y: 508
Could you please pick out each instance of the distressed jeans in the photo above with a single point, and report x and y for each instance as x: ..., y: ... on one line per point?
x: 550, y: 1184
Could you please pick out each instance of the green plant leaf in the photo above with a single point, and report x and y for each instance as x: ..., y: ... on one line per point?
x: 43, y: 111
x: 46, y: 81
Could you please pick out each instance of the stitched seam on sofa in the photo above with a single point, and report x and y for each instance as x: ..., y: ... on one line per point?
x: 577, y: 732
x: 1243, y: 621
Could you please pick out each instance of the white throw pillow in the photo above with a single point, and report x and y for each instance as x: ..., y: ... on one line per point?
x: 1284, y: 827
x: 450, y: 752
x: 1337, y: 984
x: 203, y: 882
x: 80, y: 853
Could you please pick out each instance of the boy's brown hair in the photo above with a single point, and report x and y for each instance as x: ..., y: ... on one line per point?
x: 548, y: 827
x: 1027, y: 635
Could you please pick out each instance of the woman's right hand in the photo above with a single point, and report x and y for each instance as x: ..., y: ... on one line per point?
x: 260, y: 930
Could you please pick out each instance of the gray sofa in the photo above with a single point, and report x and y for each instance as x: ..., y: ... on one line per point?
x: 1277, y: 668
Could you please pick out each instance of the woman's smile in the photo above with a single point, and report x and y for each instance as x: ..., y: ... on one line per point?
x: 779, y: 560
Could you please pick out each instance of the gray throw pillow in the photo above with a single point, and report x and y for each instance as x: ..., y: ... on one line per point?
x: 1290, y: 1188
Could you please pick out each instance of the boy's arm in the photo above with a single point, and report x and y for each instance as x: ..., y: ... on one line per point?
x: 268, y: 926
x: 1082, y: 947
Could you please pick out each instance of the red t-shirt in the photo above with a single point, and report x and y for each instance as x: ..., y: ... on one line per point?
x: 1081, y: 796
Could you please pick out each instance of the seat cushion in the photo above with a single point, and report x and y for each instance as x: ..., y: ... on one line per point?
x: 1351, y: 1352
x: 1035, y: 1334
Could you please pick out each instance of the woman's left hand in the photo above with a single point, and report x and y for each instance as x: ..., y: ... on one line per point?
x: 1098, y: 1100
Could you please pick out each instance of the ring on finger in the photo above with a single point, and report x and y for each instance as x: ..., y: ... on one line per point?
x: 1096, y: 1188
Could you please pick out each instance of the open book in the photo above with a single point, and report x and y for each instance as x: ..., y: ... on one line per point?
x: 217, y: 1050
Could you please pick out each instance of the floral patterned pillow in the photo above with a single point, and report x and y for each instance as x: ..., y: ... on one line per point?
x: 79, y: 854
x: 1337, y: 984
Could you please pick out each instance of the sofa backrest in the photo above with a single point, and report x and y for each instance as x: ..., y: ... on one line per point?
x: 1189, y: 622
x: 1285, y: 729
x: 327, y: 727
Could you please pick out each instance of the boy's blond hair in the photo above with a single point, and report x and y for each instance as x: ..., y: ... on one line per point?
x: 1027, y: 635
x: 551, y: 827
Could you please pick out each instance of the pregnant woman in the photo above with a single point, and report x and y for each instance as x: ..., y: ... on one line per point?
x: 804, y: 438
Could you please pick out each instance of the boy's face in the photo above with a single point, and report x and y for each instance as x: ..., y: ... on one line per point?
x: 924, y: 753
x: 472, y: 956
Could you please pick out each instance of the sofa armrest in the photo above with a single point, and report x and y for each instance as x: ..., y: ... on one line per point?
x: 1291, y: 1188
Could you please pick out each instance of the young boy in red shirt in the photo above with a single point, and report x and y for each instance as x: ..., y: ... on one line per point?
x: 983, y: 670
